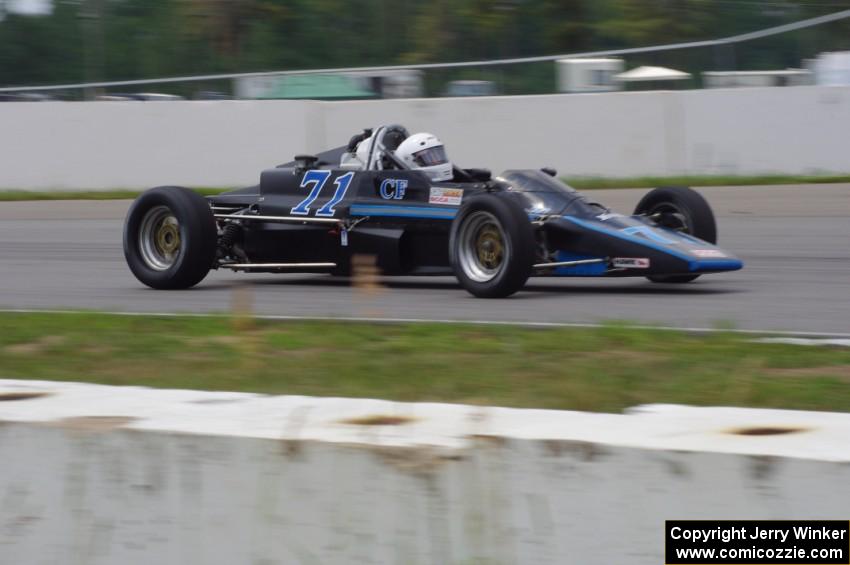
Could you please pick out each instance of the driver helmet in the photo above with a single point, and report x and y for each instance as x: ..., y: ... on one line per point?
x: 424, y: 152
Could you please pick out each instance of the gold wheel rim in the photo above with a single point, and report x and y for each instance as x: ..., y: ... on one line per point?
x: 159, y: 238
x: 489, y: 247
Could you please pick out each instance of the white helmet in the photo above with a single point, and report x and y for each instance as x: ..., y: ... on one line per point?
x: 424, y: 152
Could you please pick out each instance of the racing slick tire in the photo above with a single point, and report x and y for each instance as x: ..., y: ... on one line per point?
x: 687, y: 211
x: 170, y: 238
x: 491, y: 246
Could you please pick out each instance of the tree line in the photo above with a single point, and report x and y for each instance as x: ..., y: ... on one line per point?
x: 90, y: 40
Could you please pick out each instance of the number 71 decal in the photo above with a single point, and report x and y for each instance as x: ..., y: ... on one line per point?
x: 318, y: 180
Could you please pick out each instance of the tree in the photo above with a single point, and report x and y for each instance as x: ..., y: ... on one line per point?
x: 117, y: 39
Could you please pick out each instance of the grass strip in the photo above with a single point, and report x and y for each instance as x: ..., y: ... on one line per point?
x: 605, y: 369
x: 581, y: 183
x: 589, y: 183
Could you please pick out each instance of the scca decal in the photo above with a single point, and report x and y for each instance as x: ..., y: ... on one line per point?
x: 393, y: 189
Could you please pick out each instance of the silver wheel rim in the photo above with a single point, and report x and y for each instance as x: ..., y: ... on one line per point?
x: 159, y: 238
x: 482, y: 247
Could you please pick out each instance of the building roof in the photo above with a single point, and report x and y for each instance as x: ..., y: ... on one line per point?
x: 651, y: 73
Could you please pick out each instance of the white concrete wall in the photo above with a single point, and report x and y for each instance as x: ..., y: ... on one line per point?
x: 225, y: 143
x: 101, y: 475
x: 787, y: 130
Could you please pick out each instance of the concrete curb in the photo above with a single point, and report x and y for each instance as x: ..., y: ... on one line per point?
x: 101, y: 475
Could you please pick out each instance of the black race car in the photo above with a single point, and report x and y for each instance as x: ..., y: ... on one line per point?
x: 317, y: 212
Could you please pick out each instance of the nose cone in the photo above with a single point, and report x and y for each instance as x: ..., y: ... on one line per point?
x: 716, y: 265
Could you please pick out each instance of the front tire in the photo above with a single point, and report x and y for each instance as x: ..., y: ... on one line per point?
x: 170, y: 238
x: 491, y: 247
x: 682, y: 209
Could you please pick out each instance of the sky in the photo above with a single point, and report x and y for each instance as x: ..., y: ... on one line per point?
x: 29, y: 6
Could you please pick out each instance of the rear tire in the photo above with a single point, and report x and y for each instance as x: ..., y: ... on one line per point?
x: 170, y: 238
x: 491, y: 246
x: 682, y: 209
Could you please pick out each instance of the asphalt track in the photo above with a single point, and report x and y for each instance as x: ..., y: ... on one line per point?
x: 795, y: 241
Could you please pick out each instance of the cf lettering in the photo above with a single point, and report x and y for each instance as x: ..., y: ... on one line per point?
x: 393, y: 189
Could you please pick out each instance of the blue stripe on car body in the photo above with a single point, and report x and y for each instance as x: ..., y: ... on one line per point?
x: 402, y: 211
x: 591, y: 270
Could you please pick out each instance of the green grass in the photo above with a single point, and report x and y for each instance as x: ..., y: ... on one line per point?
x: 581, y: 183
x: 587, y: 183
x: 605, y: 369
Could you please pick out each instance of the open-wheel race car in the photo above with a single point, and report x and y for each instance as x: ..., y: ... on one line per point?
x: 397, y: 197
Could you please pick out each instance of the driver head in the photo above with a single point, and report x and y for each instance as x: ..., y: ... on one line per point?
x: 424, y: 152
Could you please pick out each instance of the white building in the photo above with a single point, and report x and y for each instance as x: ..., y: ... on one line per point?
x: 588, y: 75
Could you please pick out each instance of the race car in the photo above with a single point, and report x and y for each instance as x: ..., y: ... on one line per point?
x: 318, y: 212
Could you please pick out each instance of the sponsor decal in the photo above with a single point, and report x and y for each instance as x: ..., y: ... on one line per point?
x: 393, y: 189
x: 708, y: 253
x: 449, y: 196
x: 608, y: 216
x: 630, y: 262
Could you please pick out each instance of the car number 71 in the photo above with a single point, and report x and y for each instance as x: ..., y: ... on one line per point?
x: 318, y: 179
